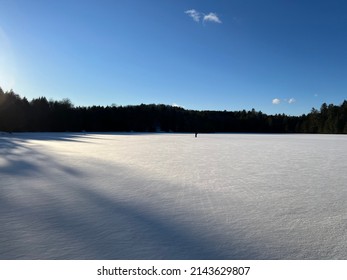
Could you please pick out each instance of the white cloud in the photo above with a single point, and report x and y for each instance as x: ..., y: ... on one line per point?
x: 276, y: 101
x: 194, y: 14
x: 212, y: 17
x: 176, y: 105
x: 290, y: 100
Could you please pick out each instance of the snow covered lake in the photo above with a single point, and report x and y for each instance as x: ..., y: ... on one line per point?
x: 173, y: 196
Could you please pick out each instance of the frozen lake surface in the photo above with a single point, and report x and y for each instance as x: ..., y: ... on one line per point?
x: 173, y: 196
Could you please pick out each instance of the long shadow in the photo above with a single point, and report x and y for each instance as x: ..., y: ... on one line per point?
x: 117, y: 231
x: 46, y: 136
x: 22, y: 160
x: 95, y: 226
x: 17, y: 157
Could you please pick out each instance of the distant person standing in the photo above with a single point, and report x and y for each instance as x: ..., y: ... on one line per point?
x: 196, y: 134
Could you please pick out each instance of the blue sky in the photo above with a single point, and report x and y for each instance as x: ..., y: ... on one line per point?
x: 275, y: 56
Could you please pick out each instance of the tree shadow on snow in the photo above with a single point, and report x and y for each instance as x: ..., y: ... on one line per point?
x: 19, y: 159
x: 74, y: 221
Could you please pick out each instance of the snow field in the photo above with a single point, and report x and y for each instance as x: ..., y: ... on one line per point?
x: 173, y: 196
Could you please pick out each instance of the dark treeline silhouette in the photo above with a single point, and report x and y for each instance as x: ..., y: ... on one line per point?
x: 17, y: 114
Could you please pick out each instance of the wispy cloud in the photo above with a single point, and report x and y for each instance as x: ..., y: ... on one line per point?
x: 291, y: 101
x: 196, y: 16
x: 212, y: 17
x: 276, y: 101
x: 176, y: 105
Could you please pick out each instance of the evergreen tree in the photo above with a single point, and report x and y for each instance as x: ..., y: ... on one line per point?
x: 17, y: 114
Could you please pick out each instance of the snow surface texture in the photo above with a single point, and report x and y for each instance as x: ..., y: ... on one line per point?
x: 173, y: 196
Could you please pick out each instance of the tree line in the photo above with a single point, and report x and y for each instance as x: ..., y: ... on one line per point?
x: 17, y: 114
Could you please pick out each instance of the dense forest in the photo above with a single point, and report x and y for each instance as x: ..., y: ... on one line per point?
x: 17, y: 114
